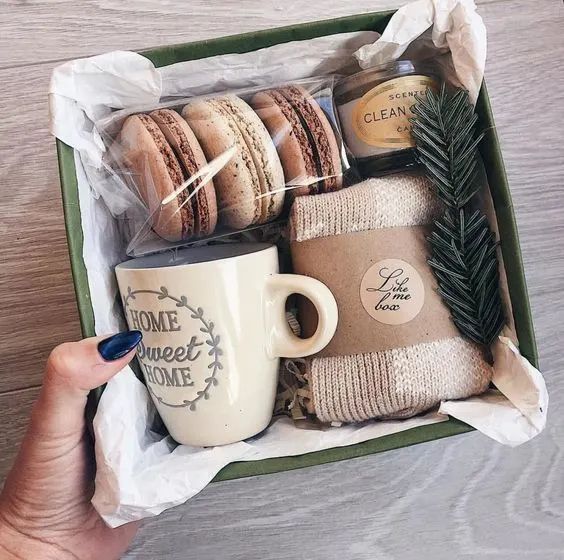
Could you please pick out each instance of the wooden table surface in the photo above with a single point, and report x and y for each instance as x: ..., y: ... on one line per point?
x: 464, y: 497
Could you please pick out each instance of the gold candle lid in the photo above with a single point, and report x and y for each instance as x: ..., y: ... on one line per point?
x: 357, y: 84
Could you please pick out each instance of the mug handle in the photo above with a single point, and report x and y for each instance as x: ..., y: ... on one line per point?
x: 282, y: 341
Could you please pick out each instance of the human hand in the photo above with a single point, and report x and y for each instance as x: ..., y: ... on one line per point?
x: 45, y: 509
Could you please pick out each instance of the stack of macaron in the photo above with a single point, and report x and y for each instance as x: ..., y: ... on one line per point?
x: 283, y: 142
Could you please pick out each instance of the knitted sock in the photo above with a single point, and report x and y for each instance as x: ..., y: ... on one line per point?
x: 394, y: 383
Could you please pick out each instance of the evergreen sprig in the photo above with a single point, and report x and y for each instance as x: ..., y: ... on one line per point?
x: 463, y: 248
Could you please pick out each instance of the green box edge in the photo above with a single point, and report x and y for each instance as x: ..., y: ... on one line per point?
x: 502, y: 200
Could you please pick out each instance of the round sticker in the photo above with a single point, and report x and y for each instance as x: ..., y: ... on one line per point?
x: 392, y: 292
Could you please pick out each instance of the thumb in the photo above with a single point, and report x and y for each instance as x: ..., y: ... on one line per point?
x: 72, y: 371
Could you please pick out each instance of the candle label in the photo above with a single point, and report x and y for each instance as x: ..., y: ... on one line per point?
x: 392, y: 292
x: 381, y: 116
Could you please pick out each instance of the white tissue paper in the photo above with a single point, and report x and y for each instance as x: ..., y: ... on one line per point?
x: 452, y: 27
x: 140, y: 473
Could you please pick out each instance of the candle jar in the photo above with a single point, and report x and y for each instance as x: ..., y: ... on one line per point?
x: 374, y: 108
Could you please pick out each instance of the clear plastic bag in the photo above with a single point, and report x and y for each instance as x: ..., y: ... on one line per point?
x: 205, y: 167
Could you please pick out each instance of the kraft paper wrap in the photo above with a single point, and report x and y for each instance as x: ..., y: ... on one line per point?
x: 401, y: 368
x: 341, y: 261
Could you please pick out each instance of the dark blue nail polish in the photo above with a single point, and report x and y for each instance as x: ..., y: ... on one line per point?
x: 118, y: 345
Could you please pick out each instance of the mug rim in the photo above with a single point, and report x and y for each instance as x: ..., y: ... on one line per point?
x: 246, y: 250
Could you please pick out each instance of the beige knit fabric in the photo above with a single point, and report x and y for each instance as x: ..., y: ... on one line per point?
x: 397, y: 200
x: 394, y: 383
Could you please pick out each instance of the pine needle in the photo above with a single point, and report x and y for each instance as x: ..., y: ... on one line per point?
x: 463, y: 248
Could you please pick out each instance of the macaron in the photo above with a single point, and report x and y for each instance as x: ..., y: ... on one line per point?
x: 304, y: 138
x: 162, y: 152
x: 250, y: 186
x: 192, y: 159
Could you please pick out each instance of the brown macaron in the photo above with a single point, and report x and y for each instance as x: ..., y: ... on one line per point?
x: 191, y: 157
x: 304, y: 138
x: 162, y: 153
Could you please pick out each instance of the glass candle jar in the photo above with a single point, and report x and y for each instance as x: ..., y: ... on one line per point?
x: 374, y: 108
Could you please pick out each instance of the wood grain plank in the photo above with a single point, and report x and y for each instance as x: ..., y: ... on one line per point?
x: 36, y: 292
x: 523, y: 39
x: 68, y: 29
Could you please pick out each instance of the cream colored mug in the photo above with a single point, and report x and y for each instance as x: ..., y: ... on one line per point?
x: 214, y: 327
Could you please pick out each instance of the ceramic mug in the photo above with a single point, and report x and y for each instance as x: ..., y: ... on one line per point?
x: 214, y: 327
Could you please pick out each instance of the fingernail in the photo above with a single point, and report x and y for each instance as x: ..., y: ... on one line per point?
x: 118, y: 345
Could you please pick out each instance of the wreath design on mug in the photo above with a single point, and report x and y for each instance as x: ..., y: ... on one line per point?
x: 212, y: 341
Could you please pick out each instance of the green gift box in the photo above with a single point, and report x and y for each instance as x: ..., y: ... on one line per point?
x: 500, y: 193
